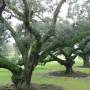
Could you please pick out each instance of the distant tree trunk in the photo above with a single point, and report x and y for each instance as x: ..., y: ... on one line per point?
x: 23, y: 81
x: 69, y: 69
x: 68, y: 63
x: 68, y: 66
x: 85, y: 60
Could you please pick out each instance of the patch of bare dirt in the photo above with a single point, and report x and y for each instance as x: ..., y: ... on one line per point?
x: 76, y: 74
x: 84, y: 66
x: 46, y: 87
x: 7, y: 87
x: 34, y: 87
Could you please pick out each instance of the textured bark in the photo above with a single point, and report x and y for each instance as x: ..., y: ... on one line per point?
x: 68, y: 66
x: 29, y: 66
x: 15, y: 69
x: 69, y: 69
x: 5, y: 63
x: 23, y: 82
x: 28, y: 77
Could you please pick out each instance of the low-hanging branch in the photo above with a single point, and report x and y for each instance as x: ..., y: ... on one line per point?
x: 61, y: 61
x: 6, y: 64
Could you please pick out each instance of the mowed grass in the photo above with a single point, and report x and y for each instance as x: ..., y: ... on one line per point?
x: 40, y: 76
x: 5, y: 77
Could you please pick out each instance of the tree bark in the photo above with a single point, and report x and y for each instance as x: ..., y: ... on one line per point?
x: 23, y: 81
x: 68, y: 66
x: 69, y: 69
x: 6, y: 64
x: 29, y: 67
x: 28, y: 76
x: 21, y: 78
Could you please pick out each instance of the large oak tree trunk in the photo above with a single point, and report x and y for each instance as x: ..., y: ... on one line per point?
x: 29, y: 67
x: 28, y: 76
x: 23, y: 81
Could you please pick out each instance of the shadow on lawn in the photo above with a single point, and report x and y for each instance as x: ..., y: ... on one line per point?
x: 76, y: 74
x: 35, y: 87
x: 84, y: 66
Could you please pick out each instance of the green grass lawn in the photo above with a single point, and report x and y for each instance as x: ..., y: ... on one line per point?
x: 5, y: 77
x: 40, y: 76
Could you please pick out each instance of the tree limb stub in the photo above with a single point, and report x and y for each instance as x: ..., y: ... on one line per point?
x: 6, y: 64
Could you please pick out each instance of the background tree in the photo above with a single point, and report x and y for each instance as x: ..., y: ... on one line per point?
x: 70, y: 33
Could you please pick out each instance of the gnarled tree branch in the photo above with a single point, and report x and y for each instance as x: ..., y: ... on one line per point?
x: 14, y: 9
x: 53, y: 24
x: 27, y: 17
x: 13, y: 33
x: 6, y: 64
